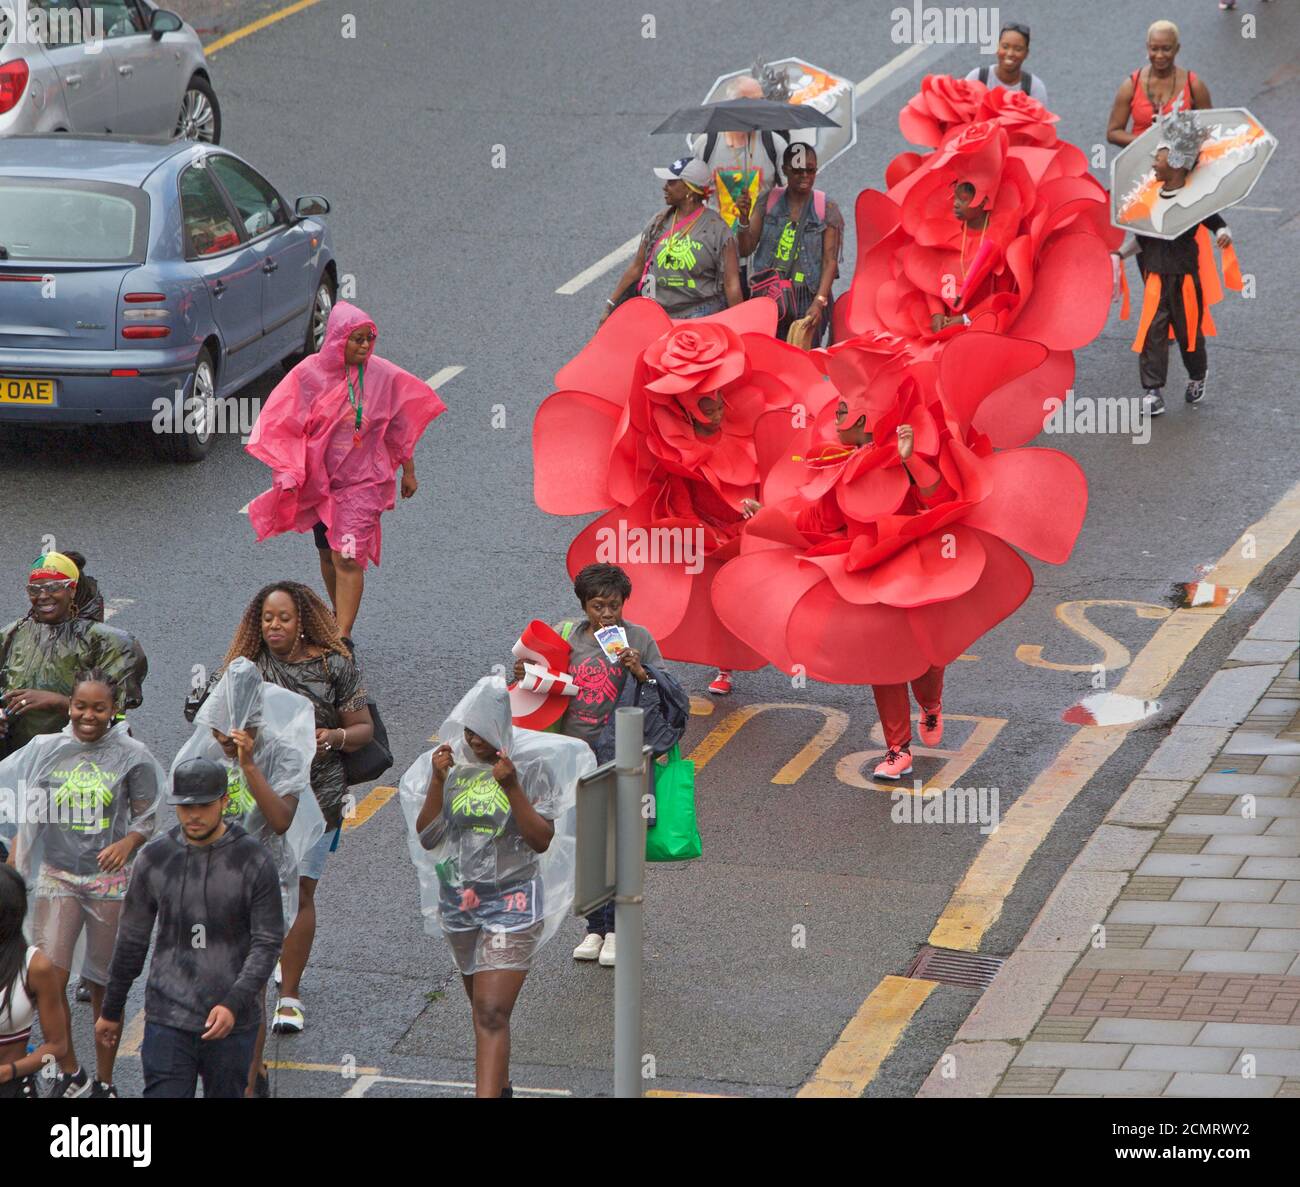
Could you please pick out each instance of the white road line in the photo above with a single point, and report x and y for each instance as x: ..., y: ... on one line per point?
x: 623, y: 252
x: 627, y: 250
x: 1259, y: 209
x: 446, y: 375
x: 897, y: 62
x: 113, y: 605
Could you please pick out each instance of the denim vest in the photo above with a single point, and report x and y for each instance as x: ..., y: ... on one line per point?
x: 775, y: 240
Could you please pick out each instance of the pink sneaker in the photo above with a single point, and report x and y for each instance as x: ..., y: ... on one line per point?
x: 897, y: 763
x: 721, y: 686
x: 930, y: 727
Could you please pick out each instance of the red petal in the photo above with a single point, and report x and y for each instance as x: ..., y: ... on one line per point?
x: 974, y: 364
x: 573, y: 434
x: 755, y: 594
x: 946, y: 629
x: 1071, y: 297
x: 1013, y: 415
x: 937, y: 568
x: 605, y: 366
x: 1037, y: 503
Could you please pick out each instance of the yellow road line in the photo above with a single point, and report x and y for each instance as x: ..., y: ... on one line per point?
x: 257, y: 26
x: 668, y: 1092
x: 977, y: 902
x: 837, y: 721
x: 371, y: 804
x: 870, y: 1036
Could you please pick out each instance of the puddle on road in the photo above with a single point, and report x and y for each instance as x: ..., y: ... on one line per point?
x: 1110, y: 708
x: 1191, y: 594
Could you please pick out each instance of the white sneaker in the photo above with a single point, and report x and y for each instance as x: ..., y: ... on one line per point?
x: 607, y: 951
x: 589, y: 949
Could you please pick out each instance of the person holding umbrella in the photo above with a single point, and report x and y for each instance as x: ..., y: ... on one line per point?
x: 794, y: 235
x: 686, y: 260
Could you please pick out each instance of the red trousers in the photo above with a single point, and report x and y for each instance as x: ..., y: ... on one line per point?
x: 895, y: 708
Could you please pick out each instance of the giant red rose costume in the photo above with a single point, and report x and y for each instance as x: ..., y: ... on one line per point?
x: 851, y: 574
x: 1042, y: 268
x: 860, y: 568
x: 618, y: 436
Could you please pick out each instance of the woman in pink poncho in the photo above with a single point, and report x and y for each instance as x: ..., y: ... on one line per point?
x: 335, y: 431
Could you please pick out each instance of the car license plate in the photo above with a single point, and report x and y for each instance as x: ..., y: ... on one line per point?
x: 26, y: 391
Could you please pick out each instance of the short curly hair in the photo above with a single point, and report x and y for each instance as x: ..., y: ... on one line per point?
x: 595, y: 581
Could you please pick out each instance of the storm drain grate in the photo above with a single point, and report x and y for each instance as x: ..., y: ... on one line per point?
x: 951, y: 967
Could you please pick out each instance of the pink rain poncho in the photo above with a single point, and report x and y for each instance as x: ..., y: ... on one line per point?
x: 323, y: 470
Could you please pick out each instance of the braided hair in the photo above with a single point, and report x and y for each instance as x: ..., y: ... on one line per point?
x: 13, y: 947
x: 96, y: 676
x: 314, y: 621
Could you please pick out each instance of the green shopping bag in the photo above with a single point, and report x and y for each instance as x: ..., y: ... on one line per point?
x: 675, y: 836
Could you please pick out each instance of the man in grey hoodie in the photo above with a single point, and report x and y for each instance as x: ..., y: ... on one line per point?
x: 215, y: 894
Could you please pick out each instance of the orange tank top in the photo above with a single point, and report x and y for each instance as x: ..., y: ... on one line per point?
x: 1141, y: 109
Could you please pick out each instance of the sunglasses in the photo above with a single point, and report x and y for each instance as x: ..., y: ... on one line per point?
x: 37, y: 588
x: 362, y: 339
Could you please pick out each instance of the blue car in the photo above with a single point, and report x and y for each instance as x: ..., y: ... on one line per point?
x: 143, y: 282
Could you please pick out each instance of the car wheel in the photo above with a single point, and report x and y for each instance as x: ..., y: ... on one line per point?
x: 200, y: 117
x: 314, y: 339
x: 191, y: 440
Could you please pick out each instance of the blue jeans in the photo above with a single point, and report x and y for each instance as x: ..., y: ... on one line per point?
x: 175, y: 1060
x: 601, y: 920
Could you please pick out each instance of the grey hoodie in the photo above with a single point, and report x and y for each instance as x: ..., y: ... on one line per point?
x: 220, y: 927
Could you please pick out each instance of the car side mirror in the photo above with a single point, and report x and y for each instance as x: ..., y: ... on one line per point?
x: 311, y: 204
x: 163, y: 21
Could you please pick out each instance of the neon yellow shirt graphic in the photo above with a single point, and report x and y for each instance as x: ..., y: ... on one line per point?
x: 241, y: 800
x: 86, y: 792
x: 482, y: 797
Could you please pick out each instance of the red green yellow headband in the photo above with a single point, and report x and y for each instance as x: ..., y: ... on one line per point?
x: 54, y: 566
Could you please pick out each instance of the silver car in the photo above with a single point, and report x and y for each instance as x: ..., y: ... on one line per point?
x: 123, y: 66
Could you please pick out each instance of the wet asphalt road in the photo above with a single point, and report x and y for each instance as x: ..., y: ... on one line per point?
x: 458, y: 262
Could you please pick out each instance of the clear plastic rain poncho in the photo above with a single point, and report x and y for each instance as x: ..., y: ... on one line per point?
x: 283, y: 750
x: 494, y: 899
x: 72, y: 800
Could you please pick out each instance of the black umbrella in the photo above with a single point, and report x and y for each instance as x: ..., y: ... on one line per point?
x: 745, y: 115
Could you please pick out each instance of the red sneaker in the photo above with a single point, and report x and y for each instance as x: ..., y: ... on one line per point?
x: 896, y: 764
x: 721, y: 686
x: 930, y: 727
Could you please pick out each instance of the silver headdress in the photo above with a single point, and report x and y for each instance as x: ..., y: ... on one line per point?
x: 1182, y: 134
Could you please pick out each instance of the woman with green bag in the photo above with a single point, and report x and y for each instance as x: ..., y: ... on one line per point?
x: 603, y: 686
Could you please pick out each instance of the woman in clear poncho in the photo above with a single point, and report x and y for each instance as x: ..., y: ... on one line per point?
x: 87, y: 798
x: 265, y: 738
x: 491, y: 834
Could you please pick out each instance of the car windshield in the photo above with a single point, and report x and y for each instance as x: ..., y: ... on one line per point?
x: 63, y: 221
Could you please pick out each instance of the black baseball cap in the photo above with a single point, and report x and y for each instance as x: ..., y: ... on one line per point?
x: 197, y: 781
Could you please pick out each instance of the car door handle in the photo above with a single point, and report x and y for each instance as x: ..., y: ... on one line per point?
x: 74, y: 80
x: 124, y: 71
x: 270, y: 266
x: 218, y: 288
